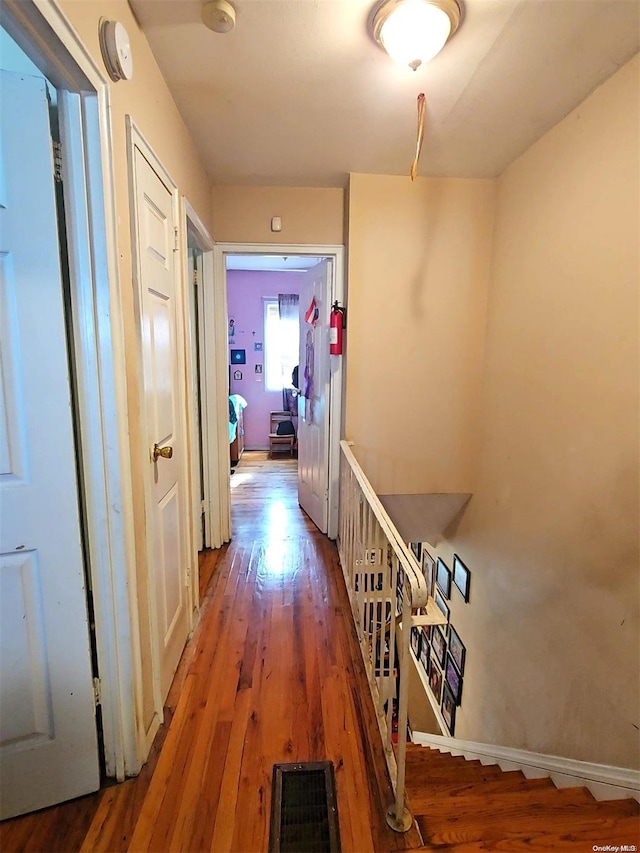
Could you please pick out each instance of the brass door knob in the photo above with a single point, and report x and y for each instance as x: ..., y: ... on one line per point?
x: 165, y: 452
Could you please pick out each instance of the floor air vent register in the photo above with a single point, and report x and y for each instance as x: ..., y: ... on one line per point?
x: 304, y: 809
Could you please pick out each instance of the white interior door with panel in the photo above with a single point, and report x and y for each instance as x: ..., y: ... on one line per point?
x: 161, y: 304
x: 48, y: 739
x: 313, y: 402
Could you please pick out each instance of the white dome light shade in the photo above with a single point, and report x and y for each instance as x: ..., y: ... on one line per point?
x: 219, y: 16
x: 414, y: 31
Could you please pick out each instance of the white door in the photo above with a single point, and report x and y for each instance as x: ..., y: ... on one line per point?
x: 161, y: 348
x: 313, y: 402
x: 48, y: 741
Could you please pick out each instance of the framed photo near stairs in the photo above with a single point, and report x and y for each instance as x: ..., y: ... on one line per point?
x: 425, y: 654
x: 453, y: 679
x: 461, y: 577
x: 443, y: 578
x: 442, y: 604
x: 416, y: 640
x: 438, y: 644
x: 428, y: 569
x: 457, y: 649
x: 449, y: 709
x: 435, y: 680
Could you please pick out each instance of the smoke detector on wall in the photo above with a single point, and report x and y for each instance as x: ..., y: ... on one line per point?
x: 115, y: 46
x: 219, y: 16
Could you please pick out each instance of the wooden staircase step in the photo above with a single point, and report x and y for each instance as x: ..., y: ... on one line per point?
x: 464, y: 806
x: 425, y: 757
x: 414, y: 749
x: 443, y: 761
x: 416, y: 752
x: 513, y: 781
x: 466, y: 772
x: 625, y: 831
x: 597, y: 821
x: 459, y: 809
x: 461, y: 812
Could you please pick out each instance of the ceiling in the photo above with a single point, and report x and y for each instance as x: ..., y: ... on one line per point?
x: 279, y: 263
x: 298, y: 94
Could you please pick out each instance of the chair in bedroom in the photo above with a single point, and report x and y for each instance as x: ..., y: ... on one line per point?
x: 281, y: 441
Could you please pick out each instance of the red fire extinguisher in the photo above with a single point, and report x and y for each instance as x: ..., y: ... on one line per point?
x: 336, y: 328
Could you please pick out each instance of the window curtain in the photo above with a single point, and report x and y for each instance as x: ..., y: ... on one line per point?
x: 289, y: 313
x: 288, y: 307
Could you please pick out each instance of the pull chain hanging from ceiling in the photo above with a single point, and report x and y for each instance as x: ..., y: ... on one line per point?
x: 421, y: 116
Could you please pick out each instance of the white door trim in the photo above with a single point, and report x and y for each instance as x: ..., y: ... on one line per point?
x: 193, y: 226
x: 135, y: 139
x: 218, y: 355
x: 40, y: 28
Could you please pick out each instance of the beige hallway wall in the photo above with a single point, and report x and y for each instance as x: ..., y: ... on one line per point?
x: 313, y: 215
x: 419, y: 256
x: 551, y: 534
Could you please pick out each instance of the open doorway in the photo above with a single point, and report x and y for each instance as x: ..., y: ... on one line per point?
x: 251, y: 278
x: 263, y: 304
x: 265, y: 329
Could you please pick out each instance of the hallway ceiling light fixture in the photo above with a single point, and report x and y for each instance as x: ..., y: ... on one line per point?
x: 414, y: 31
x: 219, y: 16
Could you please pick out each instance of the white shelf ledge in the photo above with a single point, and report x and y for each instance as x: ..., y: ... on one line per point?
x: 425, y: 517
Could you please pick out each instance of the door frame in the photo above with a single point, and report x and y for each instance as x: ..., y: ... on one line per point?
x: 194, y: 228
x: 135, y: 139
x: 42, y: 31
x: 216, y: 334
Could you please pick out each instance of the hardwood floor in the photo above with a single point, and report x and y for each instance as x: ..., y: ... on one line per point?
x: 272, y: 674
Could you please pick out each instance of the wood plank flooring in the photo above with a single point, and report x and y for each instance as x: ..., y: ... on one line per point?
x: 272, y: 674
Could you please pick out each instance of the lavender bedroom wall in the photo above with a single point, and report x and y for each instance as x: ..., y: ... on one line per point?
x: 246, y: 290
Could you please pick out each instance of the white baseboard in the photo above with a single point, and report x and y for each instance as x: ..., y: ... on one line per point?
x: 604, y: 782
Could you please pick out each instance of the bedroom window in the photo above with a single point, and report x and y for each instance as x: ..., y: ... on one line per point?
x: 281, y: 340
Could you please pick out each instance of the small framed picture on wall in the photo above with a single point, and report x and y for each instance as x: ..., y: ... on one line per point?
x: 461, y: 577
x: 442, y: 604
x: 456, y: 649
x: 424, y: 655
x: 443, y: 577
x: 428, y: 569
x: 435, y: 680
x: 416, y: 641
x: 449, y: 709
x: 453, y: 680
x: 438, y: 644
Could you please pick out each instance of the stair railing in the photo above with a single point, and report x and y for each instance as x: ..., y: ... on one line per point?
x: 389, y: 596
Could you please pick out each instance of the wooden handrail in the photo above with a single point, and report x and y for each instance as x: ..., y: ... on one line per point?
x: 418, y: 586
x: 377, y: 565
